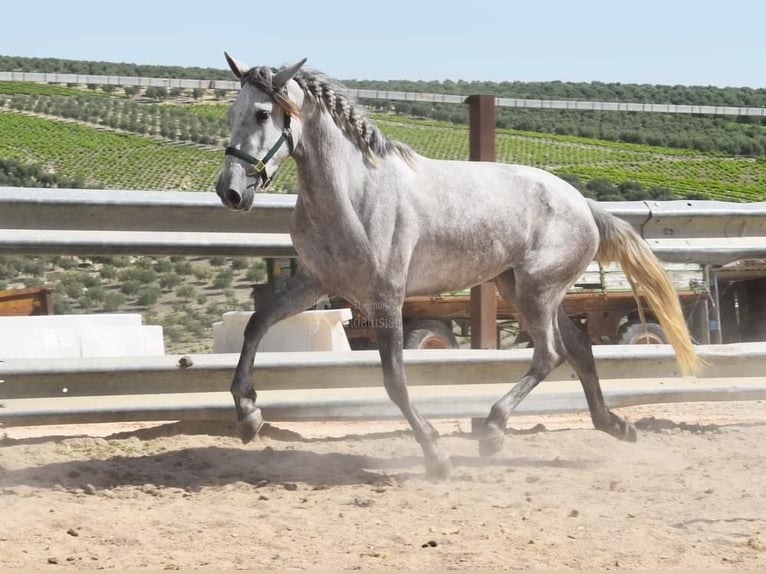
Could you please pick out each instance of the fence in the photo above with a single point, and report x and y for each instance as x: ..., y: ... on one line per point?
x: 319, y: 385
x: 389, y: 95
x: 101, y: 222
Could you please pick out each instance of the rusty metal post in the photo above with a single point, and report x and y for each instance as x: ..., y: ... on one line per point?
x: 481, y: 113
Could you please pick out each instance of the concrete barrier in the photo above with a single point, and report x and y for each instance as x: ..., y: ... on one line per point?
x: 319, y: 330
x: 89, y: 335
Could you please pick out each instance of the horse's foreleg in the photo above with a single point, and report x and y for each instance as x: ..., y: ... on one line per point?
x: 300, y: 293
x: 579, y: 354
x: 388, y: 327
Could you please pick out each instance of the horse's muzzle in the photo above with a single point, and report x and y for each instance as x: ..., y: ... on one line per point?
x: 234, y: 199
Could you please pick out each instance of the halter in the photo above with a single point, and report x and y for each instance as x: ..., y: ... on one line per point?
x: 259, y: 165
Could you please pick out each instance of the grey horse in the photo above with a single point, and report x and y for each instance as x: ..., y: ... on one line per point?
x: 375, y: 222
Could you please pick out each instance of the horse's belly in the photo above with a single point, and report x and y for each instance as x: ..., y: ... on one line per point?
x: 443, y: 273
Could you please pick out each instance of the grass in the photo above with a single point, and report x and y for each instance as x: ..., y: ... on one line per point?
x: 683, y: 171
x: 105, y: 157
x: 33, y: 88
x: 115, y: 158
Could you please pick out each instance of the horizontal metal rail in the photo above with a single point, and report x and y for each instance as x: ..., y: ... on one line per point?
x: 133, y: 210
x: 312, y: 386
x: 699, y: 219
x: 94, y: 243
x: 369, y: 403
x: 27, y: 378
x: 87, y: 222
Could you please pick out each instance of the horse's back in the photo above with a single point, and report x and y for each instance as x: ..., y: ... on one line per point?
x: 520, y: 188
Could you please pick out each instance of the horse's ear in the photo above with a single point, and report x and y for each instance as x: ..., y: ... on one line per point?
x: 285, y: 75
x: 236, y: 66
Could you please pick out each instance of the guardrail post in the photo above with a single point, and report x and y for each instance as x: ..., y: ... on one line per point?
x: 482, y: 148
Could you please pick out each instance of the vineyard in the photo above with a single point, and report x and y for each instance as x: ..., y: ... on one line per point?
x: 116, y: 141
x: 684, y: 172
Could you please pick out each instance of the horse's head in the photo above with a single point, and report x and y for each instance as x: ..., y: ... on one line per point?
x: 264, y: 131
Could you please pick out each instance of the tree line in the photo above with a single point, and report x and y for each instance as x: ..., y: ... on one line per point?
x: 599, y: 91
x: 738, y: 136
x: 61, y: 66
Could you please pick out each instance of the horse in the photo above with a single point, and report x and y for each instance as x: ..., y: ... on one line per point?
x: 374, y: 222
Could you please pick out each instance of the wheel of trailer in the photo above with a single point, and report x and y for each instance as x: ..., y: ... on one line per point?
x: 429, y: 334
x: 640, y: 334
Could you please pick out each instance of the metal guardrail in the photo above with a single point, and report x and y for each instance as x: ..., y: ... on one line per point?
x: 61, y: 221
x: 101, y: 222
x: 38, y: 221
x: 349, y: 386
x: 143, y: 81
x: 93, y: 243
x: 134, y: 210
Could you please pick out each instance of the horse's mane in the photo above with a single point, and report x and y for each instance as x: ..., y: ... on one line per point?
x: 350, y: 118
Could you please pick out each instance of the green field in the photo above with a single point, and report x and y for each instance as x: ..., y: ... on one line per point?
x: 683, y: 171
x: 115, y: 142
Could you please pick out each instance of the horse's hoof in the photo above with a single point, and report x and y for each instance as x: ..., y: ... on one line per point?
x: 629, y: 433
x: 439, y: 470
x: 492, y: 443
x: 250, y: 425
x: 621, y: 429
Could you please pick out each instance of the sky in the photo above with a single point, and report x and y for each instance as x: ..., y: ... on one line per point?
x: 648, y: 42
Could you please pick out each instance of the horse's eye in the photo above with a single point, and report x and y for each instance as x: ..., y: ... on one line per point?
x: 262, y: 115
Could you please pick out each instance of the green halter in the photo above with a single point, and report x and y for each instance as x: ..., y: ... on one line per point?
x: 259, y: 165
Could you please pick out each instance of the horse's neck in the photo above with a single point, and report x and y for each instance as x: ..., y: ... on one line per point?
x: 329, y: 167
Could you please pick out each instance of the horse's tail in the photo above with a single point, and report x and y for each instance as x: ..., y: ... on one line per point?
x: 620, y: 243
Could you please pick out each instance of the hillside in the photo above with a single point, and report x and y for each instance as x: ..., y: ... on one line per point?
x: 743, y: 136
x: 173, y: 141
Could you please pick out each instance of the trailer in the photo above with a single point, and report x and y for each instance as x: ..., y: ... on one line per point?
x: 739, y: 291
x: 609, y: 317
x: 722, y: 304
x: 601, y: 302
x: 29, y: 301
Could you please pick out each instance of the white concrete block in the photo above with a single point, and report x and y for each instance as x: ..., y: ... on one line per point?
x: 38, y: 342
x: 70, y: 321
x: 133, y: 341
x: 90, y: 335
x: 320, y: 330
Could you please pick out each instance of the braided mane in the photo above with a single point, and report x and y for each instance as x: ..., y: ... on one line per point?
x: 350, y: 118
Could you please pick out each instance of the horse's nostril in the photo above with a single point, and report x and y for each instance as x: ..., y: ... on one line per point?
x: 233, y: 198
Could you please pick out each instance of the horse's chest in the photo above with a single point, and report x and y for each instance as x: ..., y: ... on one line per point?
x: 328, y: 253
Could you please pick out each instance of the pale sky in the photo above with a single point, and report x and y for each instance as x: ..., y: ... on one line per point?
x: 652, y: 41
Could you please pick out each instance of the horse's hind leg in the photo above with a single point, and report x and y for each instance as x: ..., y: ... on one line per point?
x: 300, y: 293
x: 579, y: 354
x: 537, y: 305
x: 388, y: 326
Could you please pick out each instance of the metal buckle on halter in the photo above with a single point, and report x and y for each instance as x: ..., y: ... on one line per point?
x: 259, y: 166
x: 266, y: 182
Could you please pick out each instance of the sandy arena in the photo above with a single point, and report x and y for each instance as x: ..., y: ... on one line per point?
x: 690, y: 494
